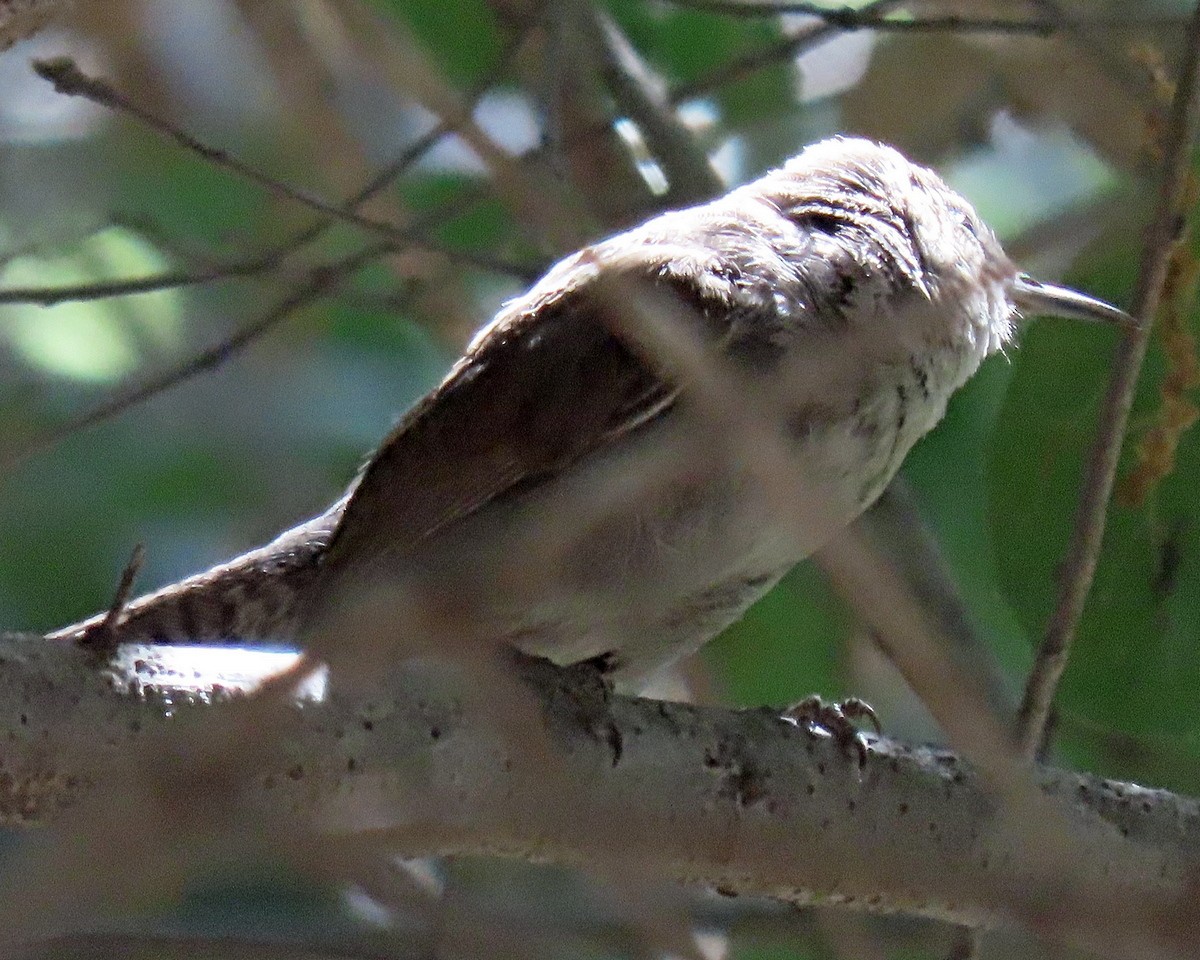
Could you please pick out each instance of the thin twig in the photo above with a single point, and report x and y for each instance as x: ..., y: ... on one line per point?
x: 319, y: 282
x: 410, y: 155
x: 418, y: 148
x: 102, y: 640
x: 124, y: 399
x: 785, y: 49
x: 643, y: 97
x: 851, y: 18
x: 125, y: 585
x: 269, y: 262
x: 167, y: 280
x: 68, y: 79
x: 314, y: 283
x: 273, y: 258
x: 1083, y: 553
x: 311, y: 287
x: 873, y: 16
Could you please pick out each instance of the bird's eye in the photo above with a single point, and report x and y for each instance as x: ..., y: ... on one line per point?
x: 821, y: 222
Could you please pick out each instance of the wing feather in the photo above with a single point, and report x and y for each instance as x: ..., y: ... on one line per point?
x: 545, y: 386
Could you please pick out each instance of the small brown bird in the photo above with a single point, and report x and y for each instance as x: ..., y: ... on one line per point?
x: 639, y: 447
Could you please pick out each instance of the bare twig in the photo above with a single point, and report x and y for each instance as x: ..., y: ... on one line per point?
x: 102, y: 641
x: 643, y: 97
x: 851, y: 18
x: 319, y: 282
x: 125, y: 584
x: 127, y: 397
x: 410, y: 155
x: 273, y: 258
x: 786, y: 49
x: 269, y: 262
x: 168, y: 280
x: 417, y: 149
x: 874, y: 16
x: 70, y: 80
x: 1083, y: 552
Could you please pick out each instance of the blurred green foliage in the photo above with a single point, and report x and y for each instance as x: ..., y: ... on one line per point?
x: 1134, y: 673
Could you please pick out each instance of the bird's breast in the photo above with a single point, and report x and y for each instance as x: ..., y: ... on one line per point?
x: 644, y: 553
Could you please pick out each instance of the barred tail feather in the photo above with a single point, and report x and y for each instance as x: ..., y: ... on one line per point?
x: 255, y: 597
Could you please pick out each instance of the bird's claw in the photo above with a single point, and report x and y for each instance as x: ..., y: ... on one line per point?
x: 838, y: 719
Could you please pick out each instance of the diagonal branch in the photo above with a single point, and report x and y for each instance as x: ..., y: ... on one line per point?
x: 788, y: 48
x: 273, y: 258
x: 1083, y: 552
x: 68, y: 79
x: 642, y: 96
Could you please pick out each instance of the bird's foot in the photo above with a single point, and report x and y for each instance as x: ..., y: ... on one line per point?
x: 838, y: 720
x: 579, y: 693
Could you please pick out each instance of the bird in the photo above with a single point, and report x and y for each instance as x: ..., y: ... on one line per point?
x: 641, y: 445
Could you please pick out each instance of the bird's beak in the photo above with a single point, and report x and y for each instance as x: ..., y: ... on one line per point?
x: 1045, y: 299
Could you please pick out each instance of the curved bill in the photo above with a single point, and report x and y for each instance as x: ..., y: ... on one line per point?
x: 1046, y: 299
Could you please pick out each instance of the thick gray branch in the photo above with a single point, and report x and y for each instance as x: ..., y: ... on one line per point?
x: 741, y: 801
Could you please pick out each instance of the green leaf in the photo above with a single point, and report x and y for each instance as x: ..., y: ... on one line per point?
x: 187, y: 197
x: 96, y: 340
x: 787, y: 644
x: 461, y: 37
x: 947, y: 471
x: 1135, y: 665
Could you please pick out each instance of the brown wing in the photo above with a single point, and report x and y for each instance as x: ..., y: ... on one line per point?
x: 527, y: 400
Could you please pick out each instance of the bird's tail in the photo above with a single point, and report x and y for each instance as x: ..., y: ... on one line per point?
x: 256, y: 597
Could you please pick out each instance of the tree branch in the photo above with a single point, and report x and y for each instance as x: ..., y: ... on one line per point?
x: 859, y: 18
x: 69, y: 80
x: 738, y: 800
